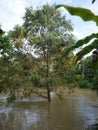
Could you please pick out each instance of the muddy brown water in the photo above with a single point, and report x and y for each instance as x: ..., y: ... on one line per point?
x: 77, y: 111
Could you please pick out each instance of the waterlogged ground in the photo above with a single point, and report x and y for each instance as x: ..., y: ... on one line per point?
x: 77, y: 111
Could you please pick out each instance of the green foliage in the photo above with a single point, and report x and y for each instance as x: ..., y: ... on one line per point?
x: 93, y: 1
x: 87, y: 74
x: 86, y: 15
x: 14, y: 74
x: 95, y: 80
x: 47, y: 33
x: 50, y: 34
x: 81, y: 42
x: 87, y: 49
x: 83, y: 83
x: 17, y: 32
x: 16, y: 36
x: 64, y: 73
x: 5, y: 45
x: 11, y: 98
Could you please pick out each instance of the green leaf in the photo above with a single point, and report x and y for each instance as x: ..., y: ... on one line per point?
x: 87, y: 49
x: 81, y: 42
x: 93, y: 1
x: 85, y: 14
x: 85, y: 40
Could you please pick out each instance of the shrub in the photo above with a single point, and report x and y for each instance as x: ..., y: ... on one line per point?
x: 85, y: 84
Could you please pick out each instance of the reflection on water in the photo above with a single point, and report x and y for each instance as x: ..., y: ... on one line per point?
x: 77, y: 111
x: 93, y: 127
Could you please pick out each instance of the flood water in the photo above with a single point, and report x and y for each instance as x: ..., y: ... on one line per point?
x: 77, y: 111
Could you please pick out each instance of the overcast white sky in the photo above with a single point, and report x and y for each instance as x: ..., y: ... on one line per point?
x: 12, y: 11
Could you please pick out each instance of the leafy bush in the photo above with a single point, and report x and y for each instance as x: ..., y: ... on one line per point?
x: 11, y: 98
x: 85, y: 84
x: 95, y: 82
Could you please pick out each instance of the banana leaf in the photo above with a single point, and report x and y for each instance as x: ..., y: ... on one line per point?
x: 85, y: 14
x: 87, y: 49
x: 93, y: 1
x: 81, y: 42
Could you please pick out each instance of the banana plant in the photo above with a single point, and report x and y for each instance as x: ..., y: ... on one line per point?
x: 85, y: 15
x: 93, y: 1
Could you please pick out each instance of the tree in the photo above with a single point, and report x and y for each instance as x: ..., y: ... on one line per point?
x: 49, y: 33
x: 5, y: 45
x: 6, y: 55
x: 17, y: 37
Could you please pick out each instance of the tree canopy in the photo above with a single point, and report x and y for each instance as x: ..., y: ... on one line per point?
x: 38, y: 46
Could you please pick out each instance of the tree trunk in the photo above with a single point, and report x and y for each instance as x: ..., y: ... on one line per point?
x: 48, y: 92
x: 47, y: 76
